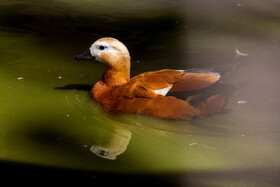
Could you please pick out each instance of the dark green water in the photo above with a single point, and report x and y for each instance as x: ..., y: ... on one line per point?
x: 48, y: 119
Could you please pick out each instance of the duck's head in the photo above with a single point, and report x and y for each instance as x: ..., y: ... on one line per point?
x: 109, y: 51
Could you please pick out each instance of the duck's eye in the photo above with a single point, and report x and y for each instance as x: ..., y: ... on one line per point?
x: 101, y: 47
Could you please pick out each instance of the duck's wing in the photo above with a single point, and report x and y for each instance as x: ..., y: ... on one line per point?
x: 134, y: 89
x: 197, y: 79
x: 151, y: 84
x: 180, y: 80
x: 164, y: 81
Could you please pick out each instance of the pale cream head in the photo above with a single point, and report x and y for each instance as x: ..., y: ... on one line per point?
x: 115, y: 56
x: 110, y: 51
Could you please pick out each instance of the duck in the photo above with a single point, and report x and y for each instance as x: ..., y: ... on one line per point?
x: 153, y: 93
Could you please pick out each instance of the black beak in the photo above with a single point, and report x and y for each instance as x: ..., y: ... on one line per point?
x: 85, y: 56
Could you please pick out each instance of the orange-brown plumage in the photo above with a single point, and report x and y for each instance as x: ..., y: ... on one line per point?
x: 137, y: 98
x: 145, y: 94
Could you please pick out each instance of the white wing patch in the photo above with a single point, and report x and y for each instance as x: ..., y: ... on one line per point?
x: 163, y: 91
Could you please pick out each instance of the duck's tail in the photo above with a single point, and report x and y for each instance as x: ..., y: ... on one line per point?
x: 213, y: 99
x: 210, y: 100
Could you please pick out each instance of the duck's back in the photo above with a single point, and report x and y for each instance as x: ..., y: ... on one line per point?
x: 139, y: 96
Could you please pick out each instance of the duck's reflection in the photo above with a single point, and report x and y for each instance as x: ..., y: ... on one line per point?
x: 111, y: 147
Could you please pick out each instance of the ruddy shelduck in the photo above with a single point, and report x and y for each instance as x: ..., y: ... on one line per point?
x: 149, y: 93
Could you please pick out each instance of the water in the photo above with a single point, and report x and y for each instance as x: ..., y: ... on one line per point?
x: 47, y: 117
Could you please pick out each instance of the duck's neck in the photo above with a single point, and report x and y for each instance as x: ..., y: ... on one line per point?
x: 114, y: 77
